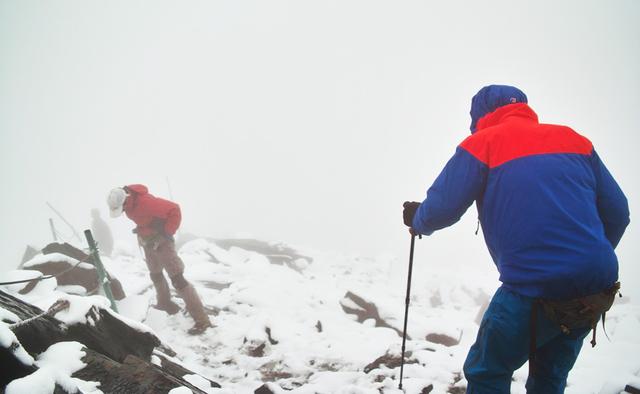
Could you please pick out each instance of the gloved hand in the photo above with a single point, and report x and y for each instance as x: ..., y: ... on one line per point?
x: 409, y: 211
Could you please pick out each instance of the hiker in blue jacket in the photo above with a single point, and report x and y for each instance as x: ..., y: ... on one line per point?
x: 551, y: 215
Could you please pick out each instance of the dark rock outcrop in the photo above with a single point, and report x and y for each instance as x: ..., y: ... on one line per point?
x: 12, y: 367
x: 366, y: 310
x: 108, y: 335
x: 132, y: 375
x: 82, y: 275
x: 276, y: 253
x: 117, y: 355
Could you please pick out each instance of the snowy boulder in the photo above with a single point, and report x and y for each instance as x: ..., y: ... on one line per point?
x: 277, y: 253
x: 16, y: 362
x: 58, y: 258
x: 110, y: 349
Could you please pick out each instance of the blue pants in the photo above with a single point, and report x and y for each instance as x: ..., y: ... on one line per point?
x: 502, y: 346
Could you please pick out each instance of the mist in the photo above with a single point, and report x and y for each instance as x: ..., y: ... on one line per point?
x: 303, y: 122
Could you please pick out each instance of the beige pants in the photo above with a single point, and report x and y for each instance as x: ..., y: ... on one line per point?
x: 163, y: 257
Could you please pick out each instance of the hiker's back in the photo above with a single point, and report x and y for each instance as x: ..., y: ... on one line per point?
x: 539, y: 212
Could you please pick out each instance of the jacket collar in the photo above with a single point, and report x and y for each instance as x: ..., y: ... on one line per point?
x: 520, y: 110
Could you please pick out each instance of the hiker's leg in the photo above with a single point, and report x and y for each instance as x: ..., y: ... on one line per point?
x: 502, y: 344
x: 154, y: 264
x: 175, y: 268
x: 553, y: 362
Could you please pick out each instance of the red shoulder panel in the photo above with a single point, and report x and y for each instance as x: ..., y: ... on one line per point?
x: 497, y: 145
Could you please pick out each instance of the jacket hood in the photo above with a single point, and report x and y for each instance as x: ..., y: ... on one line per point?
x: 492, y: 97
x: 504, y: 112
x: 136, y: 189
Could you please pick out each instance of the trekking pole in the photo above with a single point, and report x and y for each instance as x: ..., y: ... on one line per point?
x: 406, y: 308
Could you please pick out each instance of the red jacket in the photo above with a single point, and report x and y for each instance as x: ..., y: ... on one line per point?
x: 152, y: 215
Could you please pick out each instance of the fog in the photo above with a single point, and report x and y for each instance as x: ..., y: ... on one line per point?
x: 296, y: 121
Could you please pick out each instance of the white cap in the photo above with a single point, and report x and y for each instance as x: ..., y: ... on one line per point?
x: 115, y: 200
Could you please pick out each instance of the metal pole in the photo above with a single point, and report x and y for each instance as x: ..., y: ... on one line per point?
x: 102, y: 274
x: 53, y: 230
x: 406, y: 308
x: 75, y: 233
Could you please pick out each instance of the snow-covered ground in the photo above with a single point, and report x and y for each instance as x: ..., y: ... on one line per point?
x: 288, y: 325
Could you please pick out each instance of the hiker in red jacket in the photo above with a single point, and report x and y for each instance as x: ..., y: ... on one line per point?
x: 157, y: 221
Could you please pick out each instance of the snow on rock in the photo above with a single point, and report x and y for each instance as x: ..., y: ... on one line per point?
x: 56, y: 365
x: 39, y: 382
x: 55, y: 257
x: 9, y: 341
x: 43, y: 287
x: 180, y: 390
x: 79, y: 307
x: 8, y: 316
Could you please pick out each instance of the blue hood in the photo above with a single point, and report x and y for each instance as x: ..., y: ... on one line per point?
x: 492, y: 97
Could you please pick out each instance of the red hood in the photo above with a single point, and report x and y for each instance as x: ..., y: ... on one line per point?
x: 520, y: 110
x: 137, y: 189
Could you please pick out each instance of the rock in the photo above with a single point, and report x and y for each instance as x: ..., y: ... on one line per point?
x: 264, y: 389
x: 427, y: 390
x: 177, y: 370
x: 133, y: 375
x: 117, y: 355
x: 389, y: 361
x: 108, y: 335
x: 365, y: 310
x: 442, y: 339
x: 276, y: 253
x: 84, y: 275
x: 12, y: 367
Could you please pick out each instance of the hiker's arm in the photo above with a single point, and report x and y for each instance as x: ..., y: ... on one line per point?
x: 460, y: 183
x: 613, y: 207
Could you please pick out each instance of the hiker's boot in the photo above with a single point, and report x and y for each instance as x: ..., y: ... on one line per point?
x: 196, y: 310
x: 170, y: 307
x: 163, y: 294
x: 199, y: 328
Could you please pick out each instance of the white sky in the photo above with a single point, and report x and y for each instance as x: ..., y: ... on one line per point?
x: 308, y: 122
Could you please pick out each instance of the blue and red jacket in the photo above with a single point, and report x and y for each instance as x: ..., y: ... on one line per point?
x: 551, y: 212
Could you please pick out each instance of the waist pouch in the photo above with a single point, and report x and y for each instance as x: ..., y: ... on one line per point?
x: 582, y: 312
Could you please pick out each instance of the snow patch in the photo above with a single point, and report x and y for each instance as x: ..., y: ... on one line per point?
x: 55, y: 257
x: 8, y: 316
x: 180, y: 390
x: 56, y: 365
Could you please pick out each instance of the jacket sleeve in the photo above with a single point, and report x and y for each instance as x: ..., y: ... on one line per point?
x: 460, y: 183
x: 169, y: 212
x: 612, y: 204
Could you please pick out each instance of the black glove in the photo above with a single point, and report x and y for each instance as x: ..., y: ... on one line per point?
x: 410, y: 208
